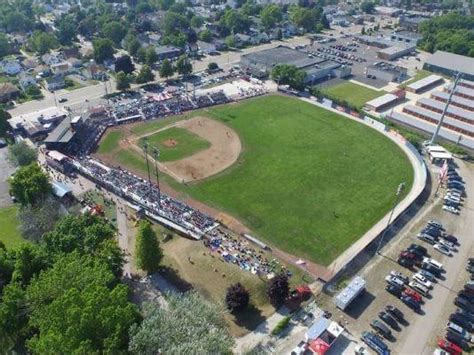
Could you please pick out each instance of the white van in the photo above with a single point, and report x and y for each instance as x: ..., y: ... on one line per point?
x: 433, y: 262
x: 419, y: 288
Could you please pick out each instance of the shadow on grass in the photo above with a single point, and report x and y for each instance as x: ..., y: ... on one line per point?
x: 173, y: 277
x: 250, y: 318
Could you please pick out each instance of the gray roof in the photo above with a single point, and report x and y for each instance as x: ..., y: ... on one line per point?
x: 437, y: 116
x: 382, y: 100
x: 454, y: 99
x: 452, y: 61
x: 430, y: 128
x: 396, y: 49
x: 283, y: 55
x: 425, y: 82
x: 166, y: 49
x: 63, y: 133
x: 462, y: 90
x: 438, y: 105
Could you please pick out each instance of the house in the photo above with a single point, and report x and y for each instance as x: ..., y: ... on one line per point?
x: 29, y: 63
x: 61, y: 68
x: 10, y: 67
x: 71, y: 52
x: 167, y: 52
x: 242, y: 40
x: 25, y: 80
x: 55, y: 83
x: 8, y: 92
x: 50, y: 59
x: 95, y: 71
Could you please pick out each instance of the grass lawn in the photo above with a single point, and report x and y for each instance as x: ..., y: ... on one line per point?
x: 186, y: 143
x: 110, y: 142
x: 308, y: 181
x: 420, y: 74
x: 354, y: 94
x: 151, y: 126
x: 72, y: 85
x: 9, y: 233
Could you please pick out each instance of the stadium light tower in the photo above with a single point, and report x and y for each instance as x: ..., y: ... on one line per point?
x: 440, y: 123
x: 399, y: 192
x: 145, y: 150
x: 156, y: 154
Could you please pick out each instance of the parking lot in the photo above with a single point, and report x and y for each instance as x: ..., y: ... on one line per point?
x: 420, y: 334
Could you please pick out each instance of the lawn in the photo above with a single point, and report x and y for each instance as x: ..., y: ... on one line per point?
x: 9, y: 233
x: 356, y: 95
x: 176, y: 143
x: 308, y: 181
x: 110, y: 142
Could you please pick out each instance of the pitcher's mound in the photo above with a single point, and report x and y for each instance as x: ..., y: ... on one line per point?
x: 170, y: 143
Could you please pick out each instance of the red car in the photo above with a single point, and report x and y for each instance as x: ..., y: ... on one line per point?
x: 449, y: 347
x: 407, y: 255
x: 413, y: 294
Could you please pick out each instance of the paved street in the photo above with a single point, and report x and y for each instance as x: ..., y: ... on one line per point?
x: 6, y: 169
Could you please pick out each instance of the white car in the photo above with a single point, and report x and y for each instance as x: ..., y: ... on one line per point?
x: 451, y: 209
x: 423, y: 280
x: 442, y: 249
x: 400, y: 276
x: 447, y: 244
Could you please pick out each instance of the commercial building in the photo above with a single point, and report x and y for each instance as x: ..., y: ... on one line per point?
x: 461, y: 91
x: 167, y: 52
x: 395, y: 52
x: 262, y: 62
x: 451, y: 64
x: 407, y: 37
x: 387, y: 72
x: 457, y: 101
x: 322, y: 335
x: 452, y: 111
x: 36, y: 125
x: 425, y: 84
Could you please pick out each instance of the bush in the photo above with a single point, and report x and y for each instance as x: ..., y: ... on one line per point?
x: 281, y: 325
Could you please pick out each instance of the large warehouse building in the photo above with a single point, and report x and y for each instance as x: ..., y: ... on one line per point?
x: 262, y: 62
x: 450, y: 64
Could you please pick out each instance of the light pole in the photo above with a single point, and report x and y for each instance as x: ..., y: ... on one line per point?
x: 399, y: 192
x: 145, y: 150
x: 156, y: 154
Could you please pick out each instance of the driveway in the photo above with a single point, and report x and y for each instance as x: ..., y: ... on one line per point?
x: 6, y: 169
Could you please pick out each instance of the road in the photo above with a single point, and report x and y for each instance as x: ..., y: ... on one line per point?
x: 6, y: 169
x: 424, y: 328
x: 93, y: 93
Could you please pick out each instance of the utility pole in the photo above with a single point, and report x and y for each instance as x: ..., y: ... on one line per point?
x: 440, y: 123
x: 399, y: 192
x: 156, y: 154
x: 145, y: 150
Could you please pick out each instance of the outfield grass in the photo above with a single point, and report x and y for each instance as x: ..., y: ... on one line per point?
x: 110, y: 142
x: 9, y: 233
x: 308, y: 180
x: 187, y: 143
x: 356, y: 95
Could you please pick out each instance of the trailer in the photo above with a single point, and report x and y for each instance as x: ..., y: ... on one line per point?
x: 348, y: 294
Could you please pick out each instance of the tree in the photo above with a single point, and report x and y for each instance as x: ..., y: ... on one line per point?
x: 279, y: 34
x: 30, y: 260
x: 122, y: 81
x: 184, y: 66
x: 13, y: 316
x: 42, y: 42
x: 232, y: 21
x: 4, y: 125
x: 67, y: 28
x: 166, y: 69
x: 103, y: 49
x: 145, y: 75
x: 124, y: 64
x: 21, y: 154
x: 230, y: 41
x: 285, y: 74
x: 114, y: 31
x: 4, y: 45
x: 35, y: 221
x: 305, y: 18
x: 278, y: 290
x: 237, y: 298
x: 197, y: 21
x: 174, y: 22
x: 147, y: 249
x: 151, y: 57
x: 212, y: 66
x: 133, y: 46
x: 270, y: 15
x: 188, y: 325
x: 205, y: 35
x: 30, y: 185
x: 368, y: 7
x: 77, y: 308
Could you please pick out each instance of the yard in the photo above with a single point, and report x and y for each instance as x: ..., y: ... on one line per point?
x: 9, y: 233
x: 355, y: 95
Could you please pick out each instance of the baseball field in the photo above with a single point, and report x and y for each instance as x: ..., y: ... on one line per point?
x: 303, y: 179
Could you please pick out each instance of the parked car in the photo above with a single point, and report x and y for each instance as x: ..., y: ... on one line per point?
x: 419, y: 288
x: 400, y: 276
x: 395, y: 312
x: 408, y: 263
x: 464, y: 304
x: 457, y: 339
x: 300, y: 349
x: 420, y: 249
x: 428, y: 275
x: 468, y: 315
x: 413, y: 294
x: 434, y: 232
x: 451, y: 238
x: 387, y: 318
x: 434, y: 263
x: 450, y: 209
x: 447, y: 244
x: 442, y: 249
x: 375, y: 343
x: 430, y: 268
x: 394, y: 290
x: 460, y: 330
x: 451, y: 348
x: 394, y: 281
x: 411, y: 303
x: 461, y: 321
x: 436, y: 224
x: 427, y: 238
x: 381, y: 328
x: 422, y: 280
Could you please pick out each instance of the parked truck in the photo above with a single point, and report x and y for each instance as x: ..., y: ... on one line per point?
x: 355, y: 288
